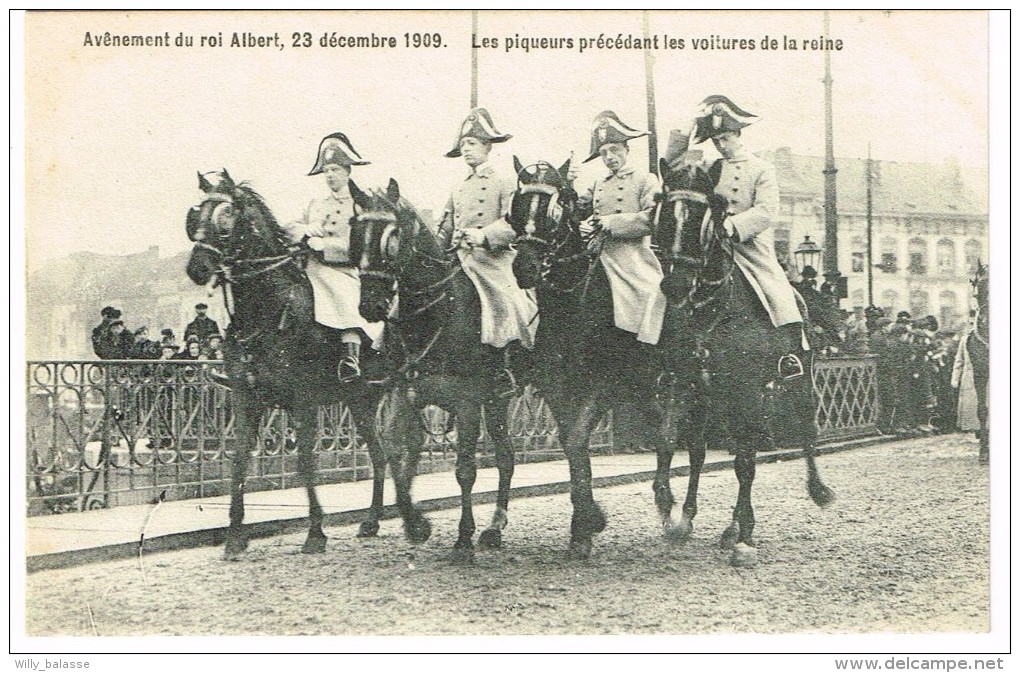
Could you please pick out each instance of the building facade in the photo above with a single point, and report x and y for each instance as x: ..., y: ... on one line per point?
x: 929, y: 230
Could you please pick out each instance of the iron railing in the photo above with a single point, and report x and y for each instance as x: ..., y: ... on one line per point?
x: 117, y: 432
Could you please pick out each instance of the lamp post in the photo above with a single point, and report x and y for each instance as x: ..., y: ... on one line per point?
x: 806, y: 256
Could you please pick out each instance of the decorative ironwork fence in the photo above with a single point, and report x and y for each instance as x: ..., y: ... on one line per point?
x: 117, y: 432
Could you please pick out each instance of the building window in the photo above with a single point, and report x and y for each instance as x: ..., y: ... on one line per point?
x: 918, y: 304
x: 972, y: 255
x: 890, y: 303
x: 857, y: 254
x: 857, y: 300
x: 917, y: 257
x: 948, y: 316
x: 945, y: 257
x: 889, y: 261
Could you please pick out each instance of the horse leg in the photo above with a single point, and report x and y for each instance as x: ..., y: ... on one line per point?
x: 744, y: 554
x: 981, y: 387
x: 803, y: 414
x: 247, y: 415
x: 398, y: 436
x: 496, y: 423
x: 588, y: 519
x: 366, y: 426
x: 305, y: 424
x: 469, y: 421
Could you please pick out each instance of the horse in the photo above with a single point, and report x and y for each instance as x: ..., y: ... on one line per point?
x: 436, y: 325
x: 977, y: 344
x: 275, y: 354
x: 587, y: 366
x: 724, y: 354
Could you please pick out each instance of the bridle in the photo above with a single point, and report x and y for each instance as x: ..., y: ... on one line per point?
x: 204, y: 226
x: 718, y: 289
x: 550, y: 250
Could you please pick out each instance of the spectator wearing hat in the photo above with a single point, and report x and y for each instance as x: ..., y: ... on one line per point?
x: 474, y: 220
x: 202, y: 326
x: 325, y: 228
x: 102, y: 345
x: 192, y: 349
x: 616, y: 214
x: 903, y: 318
x: 119, y: 344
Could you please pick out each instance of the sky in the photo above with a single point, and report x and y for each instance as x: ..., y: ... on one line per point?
x: 114, y: 136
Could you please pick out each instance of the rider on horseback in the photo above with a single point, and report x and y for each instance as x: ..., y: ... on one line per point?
x: 746, y: 186
x: 620, y: 207
x: 475, y: 221
x: 325, y: 228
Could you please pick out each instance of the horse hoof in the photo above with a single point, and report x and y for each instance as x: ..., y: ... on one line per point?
x: 743, y: 556
x: 234, y: 549
x: 368, y: 529
x: 462, y: 556
x: 820, y: 493
x: 678, y: 532
x: 491, y: 538
x: 729, y: 536
x: 580, y: 550
x: 315, y: 544
x: 419, y: 530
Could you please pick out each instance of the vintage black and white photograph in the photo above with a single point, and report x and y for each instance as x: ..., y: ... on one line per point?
x: 448, y: 325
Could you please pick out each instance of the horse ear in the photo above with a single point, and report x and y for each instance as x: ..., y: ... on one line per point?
x: 361, y: 199
x: 393, y: 191
x: 663, y: 168
x: 204, y: 184
x: 228, y: 182
x: 518, y: 166
x: 564, y: 170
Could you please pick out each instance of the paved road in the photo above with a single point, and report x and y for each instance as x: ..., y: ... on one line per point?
x: 904, y: 549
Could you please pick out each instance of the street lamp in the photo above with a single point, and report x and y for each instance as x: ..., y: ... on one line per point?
x: 807, y: 255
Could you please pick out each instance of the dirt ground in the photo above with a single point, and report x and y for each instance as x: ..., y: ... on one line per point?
x: 905, y: 548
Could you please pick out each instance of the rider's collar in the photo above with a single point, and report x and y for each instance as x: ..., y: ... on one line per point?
x: 622, y: 173
x: 343, y: 195
x: 741, y: 155
x: 482, y: 170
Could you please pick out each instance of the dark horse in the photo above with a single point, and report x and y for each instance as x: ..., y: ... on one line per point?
x: 275, y: 353
x: 586, y: 365
x: 724, y: 356
x: 437, y: 328
x: 977, y: 345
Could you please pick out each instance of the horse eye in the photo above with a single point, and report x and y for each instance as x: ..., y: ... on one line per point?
x: 223, y: 217
x: 391, y: 246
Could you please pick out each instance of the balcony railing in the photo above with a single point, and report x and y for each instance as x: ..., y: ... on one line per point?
x: 108, y: 433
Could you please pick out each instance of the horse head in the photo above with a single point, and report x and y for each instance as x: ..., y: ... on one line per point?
x: 386, y: 237
x: 230, y: 226
x: 541, y: 213
x: 688, y: 229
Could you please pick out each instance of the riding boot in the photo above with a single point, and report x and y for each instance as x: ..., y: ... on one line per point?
x: 349, y: 368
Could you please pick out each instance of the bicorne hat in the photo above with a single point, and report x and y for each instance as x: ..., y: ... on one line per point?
x: 336, y: 149
x: 478, y: 124
x: 607, y: 128
x: 718, y: 115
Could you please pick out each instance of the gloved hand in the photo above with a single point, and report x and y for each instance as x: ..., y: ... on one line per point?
x: 472, y: 238
x: 316, y: 243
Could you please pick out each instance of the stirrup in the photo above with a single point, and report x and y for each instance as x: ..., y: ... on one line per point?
x: 790, y: 367
x: 348, y: 369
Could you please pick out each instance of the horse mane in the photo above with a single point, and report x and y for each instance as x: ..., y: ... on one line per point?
x: 245, y: 193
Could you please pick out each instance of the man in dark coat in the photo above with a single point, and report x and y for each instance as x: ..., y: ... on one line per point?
x: 202, y: 326
x: 100, y: 332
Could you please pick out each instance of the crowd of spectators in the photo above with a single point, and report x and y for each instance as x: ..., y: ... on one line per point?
x: 112, y: 340
x: 918, y: 390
